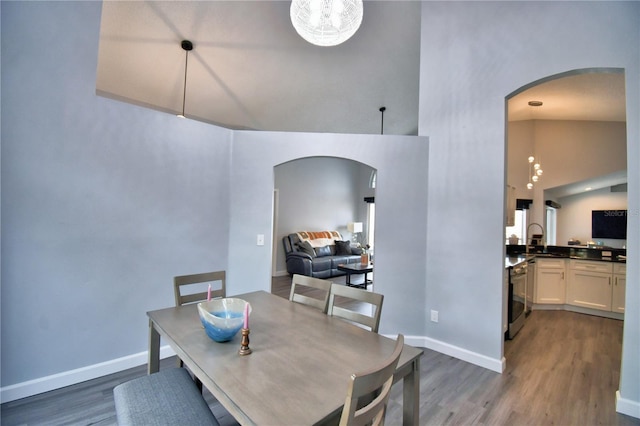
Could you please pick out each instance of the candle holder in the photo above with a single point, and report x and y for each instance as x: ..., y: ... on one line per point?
x: 244, y: 343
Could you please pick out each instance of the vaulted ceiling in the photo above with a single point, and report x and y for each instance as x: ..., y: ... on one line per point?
x: 249, y: 69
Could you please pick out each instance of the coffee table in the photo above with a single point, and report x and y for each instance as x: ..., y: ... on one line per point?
x: 356, y: 268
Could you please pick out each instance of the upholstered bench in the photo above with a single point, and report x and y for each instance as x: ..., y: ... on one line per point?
x: 169, y: 397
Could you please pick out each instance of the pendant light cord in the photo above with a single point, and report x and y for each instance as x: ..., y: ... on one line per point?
x: 186, y: 46
x: 382, y: 110
x: 184, y: 90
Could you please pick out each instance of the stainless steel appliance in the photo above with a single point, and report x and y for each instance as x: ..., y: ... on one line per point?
x: 517, y: 298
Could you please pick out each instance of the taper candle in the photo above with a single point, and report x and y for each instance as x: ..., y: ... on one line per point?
x: 246, y: 315
x: 209, y: 293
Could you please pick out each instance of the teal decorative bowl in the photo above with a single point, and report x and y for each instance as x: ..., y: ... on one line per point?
x: 222, y: 318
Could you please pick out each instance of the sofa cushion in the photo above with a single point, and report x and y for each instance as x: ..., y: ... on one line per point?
x: 343, y: 248
x: 337, y: 260
x: 323, y: 251
x: 305, y: 247
x: 320, y: 264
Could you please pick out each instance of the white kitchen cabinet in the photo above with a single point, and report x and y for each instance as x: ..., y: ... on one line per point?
x: 550, y: 286
x: 619, y: 285
x: 531, y: 283
x: 590, y: 284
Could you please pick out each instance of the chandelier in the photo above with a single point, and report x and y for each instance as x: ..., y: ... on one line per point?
x: 535, y: 171
x: 326, y: 22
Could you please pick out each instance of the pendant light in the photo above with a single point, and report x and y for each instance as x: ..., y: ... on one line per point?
x: 326, y: 22
x: 535, y: 167
x: 382, y: 110
x: 186, y: 46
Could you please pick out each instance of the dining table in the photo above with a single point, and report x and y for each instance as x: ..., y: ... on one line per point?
x: 299, y: 367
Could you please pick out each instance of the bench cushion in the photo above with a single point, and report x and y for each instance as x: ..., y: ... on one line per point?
x: 169, y: 397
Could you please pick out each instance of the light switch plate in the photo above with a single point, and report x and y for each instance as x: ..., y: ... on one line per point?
x: 260, y: 241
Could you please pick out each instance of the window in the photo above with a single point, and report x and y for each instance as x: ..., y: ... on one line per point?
x: 519, y: 228
x: 551, y: 226
x: 371, y: 220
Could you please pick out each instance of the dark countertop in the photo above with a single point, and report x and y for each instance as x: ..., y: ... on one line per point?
x: 517, y: 254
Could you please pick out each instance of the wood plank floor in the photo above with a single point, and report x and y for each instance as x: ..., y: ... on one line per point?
x: 562, y: 369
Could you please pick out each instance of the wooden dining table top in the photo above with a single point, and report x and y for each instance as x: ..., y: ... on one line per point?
x: 299, y: 368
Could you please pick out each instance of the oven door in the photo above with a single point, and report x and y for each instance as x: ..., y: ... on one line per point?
x: 517, y: 297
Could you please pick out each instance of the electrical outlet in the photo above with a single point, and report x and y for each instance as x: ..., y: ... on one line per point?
x: 260, y: 239
x: 434, y: 316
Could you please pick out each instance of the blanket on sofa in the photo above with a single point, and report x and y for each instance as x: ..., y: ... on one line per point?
x: 320, y: 238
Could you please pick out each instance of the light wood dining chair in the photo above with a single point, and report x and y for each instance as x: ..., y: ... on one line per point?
x: 180, y: 283
x: 356, y: 294
x: 374, y: 386
x: 303, y: 283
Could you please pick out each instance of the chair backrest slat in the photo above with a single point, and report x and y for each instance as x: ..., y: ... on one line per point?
x: 321, y: 288
x: 207, y: 277
x: 374, y: 299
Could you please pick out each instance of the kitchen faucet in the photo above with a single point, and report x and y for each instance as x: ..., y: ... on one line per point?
x: 530, y: 239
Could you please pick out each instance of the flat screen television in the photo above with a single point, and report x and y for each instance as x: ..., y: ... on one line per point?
x: 609, y: 224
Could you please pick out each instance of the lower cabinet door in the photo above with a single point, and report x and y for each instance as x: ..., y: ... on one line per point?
x: 619, y: 284
x: 550, y: 286
x: 590, y: 290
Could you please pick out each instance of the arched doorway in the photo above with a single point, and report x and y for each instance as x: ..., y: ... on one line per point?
x: 319, y: 193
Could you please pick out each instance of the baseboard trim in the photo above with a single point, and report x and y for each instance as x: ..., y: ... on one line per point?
x: 627, y: 406
x: 71, y: 377
x: 281, y: 273
x: 493, y: 364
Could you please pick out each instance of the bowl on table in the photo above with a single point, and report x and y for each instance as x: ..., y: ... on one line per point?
x: 222, y: 318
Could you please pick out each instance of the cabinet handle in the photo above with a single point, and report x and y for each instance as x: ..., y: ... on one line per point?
x: 616, y: 282
x: 609, y: 280
x: 562, y: 276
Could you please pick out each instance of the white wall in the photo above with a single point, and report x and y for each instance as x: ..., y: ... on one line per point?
x: 570, y: 151
x: 102, y: 204
x: 318, y: 193
x: 574, y: 218
x: 473, y: 54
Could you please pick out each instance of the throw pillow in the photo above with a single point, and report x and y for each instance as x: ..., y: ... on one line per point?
x: 305, y: 247
x: 323, y: 251
x: 343, y: 248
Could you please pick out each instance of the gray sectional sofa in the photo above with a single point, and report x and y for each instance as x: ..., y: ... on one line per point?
x: 320, y: 261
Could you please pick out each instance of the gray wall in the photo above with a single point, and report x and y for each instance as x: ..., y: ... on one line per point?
x: 91, y: 232
x: 318, y: 193
x: 474, y: 54
x: 400, y: 211
x: 102, y: 202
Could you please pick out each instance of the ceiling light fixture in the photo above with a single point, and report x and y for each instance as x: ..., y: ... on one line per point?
x: 535, y: 169
x: 326, y: 22
x: 382, y: 110
x: 186, y: 46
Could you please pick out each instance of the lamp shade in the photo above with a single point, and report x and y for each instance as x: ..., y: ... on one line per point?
x: 326, y: 22
x: 354, y: 227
